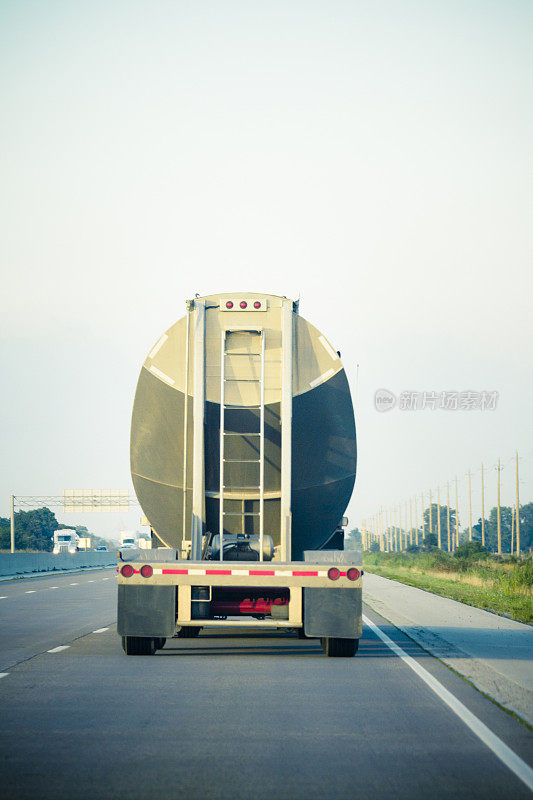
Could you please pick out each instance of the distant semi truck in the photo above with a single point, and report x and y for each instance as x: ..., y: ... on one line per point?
x: 127, y: 539
x: 243, y: 458
x: 65, y: 541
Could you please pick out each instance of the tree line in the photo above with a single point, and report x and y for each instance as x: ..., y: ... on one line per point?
x: 34, y: 530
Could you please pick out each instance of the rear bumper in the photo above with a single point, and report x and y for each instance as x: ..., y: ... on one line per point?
x: 155, y: 605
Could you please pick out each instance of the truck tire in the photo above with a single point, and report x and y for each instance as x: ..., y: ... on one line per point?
x: 159, y: 643
x: 138, y: 646
x: 339, y: 648
x: 188, y: 632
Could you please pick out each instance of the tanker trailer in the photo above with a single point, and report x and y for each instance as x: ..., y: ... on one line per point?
x: 243, y: 458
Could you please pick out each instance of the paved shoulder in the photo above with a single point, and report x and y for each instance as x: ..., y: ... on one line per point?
x: 493, y: 652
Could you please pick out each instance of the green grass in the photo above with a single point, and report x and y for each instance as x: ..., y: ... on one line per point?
x: 489, y: 583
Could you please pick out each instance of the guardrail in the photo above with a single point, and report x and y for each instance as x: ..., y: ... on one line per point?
x: 27, y: 563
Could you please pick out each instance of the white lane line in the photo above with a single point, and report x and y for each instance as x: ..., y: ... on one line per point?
x: 58, y: 649
x: 4, y: 597
x: 90, y: 581
x: 101, y: 630
x: 53, y: 587
x: 30, y: 591
x: 3, y: 674
x: 493, y: 742
x: 73, y: 584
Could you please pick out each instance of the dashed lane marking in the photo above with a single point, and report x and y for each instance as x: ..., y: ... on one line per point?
x: 73, y: 584
x: 513, y: 762
x: 30, y: 591
x: 100, y: 630
x: 3, y: 674
x: 59, y: 649
x: 90, y: 581
x: 53, y: 587
x: 4, y: 597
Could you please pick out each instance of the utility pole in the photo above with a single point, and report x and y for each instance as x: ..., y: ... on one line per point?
x: 456, y: 515
x: 416, y: 522
x: 400, y: 521
x: 512, y: 531
x: 410, y: 521
x: 439, y: 539
x: 469, y: 507
x: 448, y: 514
x: 12, y: 523
x: 517, y: 508
x: 499, y: 515
x: 430, y: 513
x: 396, y: 529
x: 423, y: 520
x: 381, y: 539
x: 482, y: 507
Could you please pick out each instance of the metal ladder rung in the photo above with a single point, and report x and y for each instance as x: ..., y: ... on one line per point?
x: 241, y: 514
x: 242, y: 460
x: 243, y: 488
x: 242, y: 380
x: 238, y: 433
x: 232, y: 407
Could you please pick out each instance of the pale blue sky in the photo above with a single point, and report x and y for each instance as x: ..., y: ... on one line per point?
x: 372, y: 157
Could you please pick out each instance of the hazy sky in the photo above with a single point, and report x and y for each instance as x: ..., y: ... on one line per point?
x: 373, y: 158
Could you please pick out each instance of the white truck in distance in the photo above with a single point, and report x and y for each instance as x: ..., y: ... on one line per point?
x: 65, y: 541
x: 127, y: 539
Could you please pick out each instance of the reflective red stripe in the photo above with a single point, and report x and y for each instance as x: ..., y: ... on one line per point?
x: 175, y: 572
x: 218, y: 572
x: 261, y: 572
x: 304, y: 574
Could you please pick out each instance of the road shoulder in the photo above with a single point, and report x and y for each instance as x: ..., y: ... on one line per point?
x: 492, y: 652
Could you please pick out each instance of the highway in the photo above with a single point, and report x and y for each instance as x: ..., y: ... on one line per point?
x: 231, y: 714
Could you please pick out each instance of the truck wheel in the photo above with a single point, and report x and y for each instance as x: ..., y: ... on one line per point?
x: 339, y: 648
x: 138, y: 646
x: 188, y: 632
x: 159, y: 643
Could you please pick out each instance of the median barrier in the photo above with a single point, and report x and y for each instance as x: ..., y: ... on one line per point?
x: 25, y: 563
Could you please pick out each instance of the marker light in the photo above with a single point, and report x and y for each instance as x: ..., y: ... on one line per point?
x: 353, y: 574
x: 127, y: 571
x: 147, y: 571
x: 334, y: 573
x: 257, y: 304
x: 243, y: 304
x: 229, y: 304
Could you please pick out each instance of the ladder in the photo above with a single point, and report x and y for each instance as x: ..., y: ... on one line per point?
x: 252, y: 377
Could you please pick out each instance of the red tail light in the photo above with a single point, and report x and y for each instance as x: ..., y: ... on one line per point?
x: 127, y: 571
x: 147, y: 571
x: 257, y: 304
x: 353, y: 574
x: 243, y: 304
x: 334, y: 573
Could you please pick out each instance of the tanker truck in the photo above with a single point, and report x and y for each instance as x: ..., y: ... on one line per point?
x: 243, y: 459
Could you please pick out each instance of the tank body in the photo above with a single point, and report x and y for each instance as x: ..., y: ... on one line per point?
x: 323, y: 427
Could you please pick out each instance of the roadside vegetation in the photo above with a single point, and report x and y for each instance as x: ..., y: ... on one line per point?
x: 471, y: 575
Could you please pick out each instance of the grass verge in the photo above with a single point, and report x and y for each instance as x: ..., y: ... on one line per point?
x: 502, y: 587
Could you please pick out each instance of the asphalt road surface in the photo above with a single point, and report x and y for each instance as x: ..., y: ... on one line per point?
x: 231, y: 714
